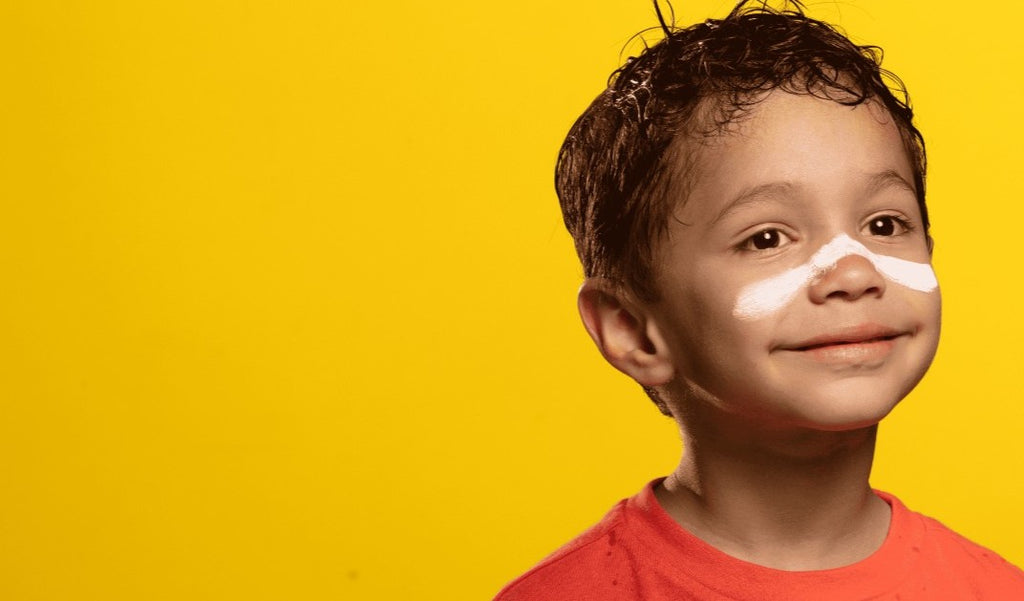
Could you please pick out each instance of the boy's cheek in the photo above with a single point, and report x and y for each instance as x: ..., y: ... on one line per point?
x: 930, y: 306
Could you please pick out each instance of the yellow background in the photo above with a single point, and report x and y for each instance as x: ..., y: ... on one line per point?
x: 288, y: 310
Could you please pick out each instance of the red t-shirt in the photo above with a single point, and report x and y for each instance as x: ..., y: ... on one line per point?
x: 638, y: 551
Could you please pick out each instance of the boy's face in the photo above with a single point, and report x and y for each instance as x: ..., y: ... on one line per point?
x: 795, y: 283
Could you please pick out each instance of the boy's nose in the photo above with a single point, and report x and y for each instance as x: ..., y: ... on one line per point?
x: 850, y: 278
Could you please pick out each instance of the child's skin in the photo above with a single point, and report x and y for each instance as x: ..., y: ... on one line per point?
x: 779, y: 412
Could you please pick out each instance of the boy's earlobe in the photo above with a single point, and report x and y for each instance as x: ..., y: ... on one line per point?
x: 624, y: 334
x: 931, y: 244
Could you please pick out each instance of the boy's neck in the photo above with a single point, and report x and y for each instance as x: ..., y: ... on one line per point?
x: 792, y: 500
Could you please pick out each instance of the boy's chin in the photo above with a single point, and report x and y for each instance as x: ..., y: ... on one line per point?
x: 842, y: 422
x: 847, y: 409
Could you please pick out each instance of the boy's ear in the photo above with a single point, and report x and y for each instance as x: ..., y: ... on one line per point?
x: 624, y: 333
x: 931, y: 244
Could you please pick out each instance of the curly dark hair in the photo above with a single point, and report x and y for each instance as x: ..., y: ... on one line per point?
x: 621, y: 158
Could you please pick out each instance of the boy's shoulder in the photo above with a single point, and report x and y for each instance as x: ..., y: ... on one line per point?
x: 982, y: 571
x: 584, y: 568
x: 638, y: 552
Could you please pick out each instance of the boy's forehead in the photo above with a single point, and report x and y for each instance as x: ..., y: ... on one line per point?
x: 787, y: 144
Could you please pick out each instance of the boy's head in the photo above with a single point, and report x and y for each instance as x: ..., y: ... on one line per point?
x: 747, y: 198
x: 627, y: 161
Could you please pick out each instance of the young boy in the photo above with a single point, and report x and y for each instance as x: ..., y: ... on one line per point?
x: 747, y: 199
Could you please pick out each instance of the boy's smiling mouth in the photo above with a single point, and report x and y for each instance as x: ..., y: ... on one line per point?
x: 857, y: 344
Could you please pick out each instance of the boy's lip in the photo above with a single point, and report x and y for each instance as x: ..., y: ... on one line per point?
x: 859, y: 334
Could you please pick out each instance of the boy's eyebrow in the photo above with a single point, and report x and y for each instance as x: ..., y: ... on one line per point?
x: 759, y: 193
x: 752, y: 195
x: 888, y: 179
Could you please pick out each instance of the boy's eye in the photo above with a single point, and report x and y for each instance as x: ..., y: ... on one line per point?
x: 766, y: 239
x: 888, y: 225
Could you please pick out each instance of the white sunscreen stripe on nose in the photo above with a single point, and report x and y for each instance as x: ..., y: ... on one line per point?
x: 770, y: 295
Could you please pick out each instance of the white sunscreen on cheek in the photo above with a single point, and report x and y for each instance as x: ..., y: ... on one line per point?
x: 770, y: 295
